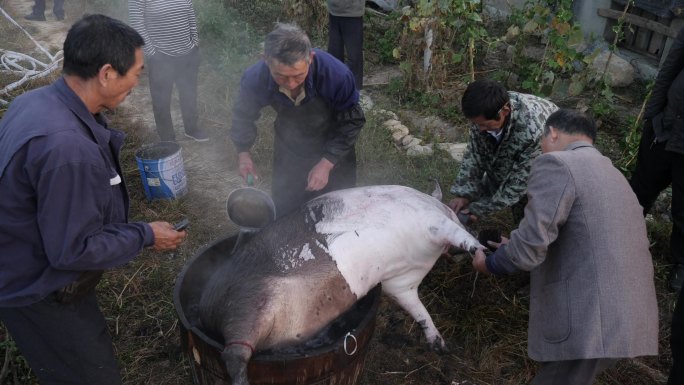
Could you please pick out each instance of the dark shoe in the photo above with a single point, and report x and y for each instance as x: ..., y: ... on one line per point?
x: 198, y: 135
x: 59, y: 17
x: 677, y: 277
x: 34, y: 17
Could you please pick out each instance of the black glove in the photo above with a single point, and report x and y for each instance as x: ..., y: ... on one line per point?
x: 485, y: 235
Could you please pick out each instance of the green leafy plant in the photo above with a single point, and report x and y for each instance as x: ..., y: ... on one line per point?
x: 14, y: 367
x: 551, y: 23
x: 603, y: 104
x: 630, y: 147
x: 441, y: 39
x: 228, y: 42
x: 606, y: 97
x: 382, y: 36
x: 632, y: 138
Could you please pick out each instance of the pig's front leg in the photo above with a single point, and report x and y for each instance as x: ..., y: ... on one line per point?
x: 236, y: 355
x: 409, y: 301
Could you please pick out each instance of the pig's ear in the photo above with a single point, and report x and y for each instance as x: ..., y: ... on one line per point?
x: 437, y: 192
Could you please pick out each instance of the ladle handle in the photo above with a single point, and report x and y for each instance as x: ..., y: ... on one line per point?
x: 238, y: 241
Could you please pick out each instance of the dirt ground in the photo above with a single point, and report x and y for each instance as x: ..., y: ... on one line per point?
x: 396, y: 355
x: 213, y: 176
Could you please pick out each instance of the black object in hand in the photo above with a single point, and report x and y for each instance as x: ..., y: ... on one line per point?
x: 180, y: 226
x: 463, y: 218
x: 485, y: 235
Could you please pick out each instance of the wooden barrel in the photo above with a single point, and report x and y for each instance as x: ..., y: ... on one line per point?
x: 339, y: 362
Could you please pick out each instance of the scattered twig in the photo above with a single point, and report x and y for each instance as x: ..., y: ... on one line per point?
x: 119, y: 296
x: 375, y: 13
x: 543, y: 62
x: 6, y: 364
x: 418, y: 369
x: 472, y: 293
x: 642, y: 109
x: 471, y: 54
x: 172, y: 329
x: 376, y: 83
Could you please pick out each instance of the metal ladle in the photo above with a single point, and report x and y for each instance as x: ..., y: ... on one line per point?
x: 251, y: 209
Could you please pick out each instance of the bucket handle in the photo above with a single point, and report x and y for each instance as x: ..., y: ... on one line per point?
x: 356, y: 344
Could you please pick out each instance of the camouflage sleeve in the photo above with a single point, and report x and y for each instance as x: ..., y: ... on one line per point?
x: 468, y: 183
x: 513, y: 188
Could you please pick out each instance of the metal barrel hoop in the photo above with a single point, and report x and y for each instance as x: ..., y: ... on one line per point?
x: 356, y: 344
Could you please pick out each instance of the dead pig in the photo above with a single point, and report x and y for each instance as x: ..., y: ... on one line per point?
x: 303, y: 271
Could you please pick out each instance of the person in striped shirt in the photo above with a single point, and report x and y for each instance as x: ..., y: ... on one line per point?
x: 38, y: 13
x: 169, y: 28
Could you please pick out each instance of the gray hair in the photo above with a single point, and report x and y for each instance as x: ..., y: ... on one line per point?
x: 287, y: 44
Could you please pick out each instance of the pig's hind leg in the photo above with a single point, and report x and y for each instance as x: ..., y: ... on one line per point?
x: 409, y: 301
x: 244, y: 329
x: 236, y: 355
x: 240, y: 342
x: 454, y: 234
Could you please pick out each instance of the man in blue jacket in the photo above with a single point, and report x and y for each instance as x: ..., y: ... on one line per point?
x: 318, y: 122
x: 64, y: 207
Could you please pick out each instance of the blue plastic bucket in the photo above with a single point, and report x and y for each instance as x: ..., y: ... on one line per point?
x: 161, y: 170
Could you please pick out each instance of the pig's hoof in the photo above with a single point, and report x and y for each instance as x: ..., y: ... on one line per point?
x: 438, y: 346
x: 472, y: 249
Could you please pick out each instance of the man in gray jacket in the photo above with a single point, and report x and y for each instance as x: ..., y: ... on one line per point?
x: 583, y: 238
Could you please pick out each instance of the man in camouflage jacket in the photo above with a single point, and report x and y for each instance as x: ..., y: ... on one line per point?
x: 504, y: 139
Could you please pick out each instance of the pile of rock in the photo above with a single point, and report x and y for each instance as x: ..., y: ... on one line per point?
x: 414, y: 146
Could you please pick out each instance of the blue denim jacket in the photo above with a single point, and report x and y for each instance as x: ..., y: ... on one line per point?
x: 63, y: 203
x: 328, y: 79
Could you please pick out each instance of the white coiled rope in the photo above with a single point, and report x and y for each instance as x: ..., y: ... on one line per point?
x: 25, y: 66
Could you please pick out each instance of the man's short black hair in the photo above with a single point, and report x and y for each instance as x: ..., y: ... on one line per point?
x: 96, y: 40
x: 484, y: 97
x: 571, y: 122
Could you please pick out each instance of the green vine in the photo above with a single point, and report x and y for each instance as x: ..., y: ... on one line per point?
x: 604, y: 99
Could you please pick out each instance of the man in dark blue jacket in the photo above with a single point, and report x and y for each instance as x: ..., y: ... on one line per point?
x: 64, y: 207
x: 660, y: 161
x: 318, y: 122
